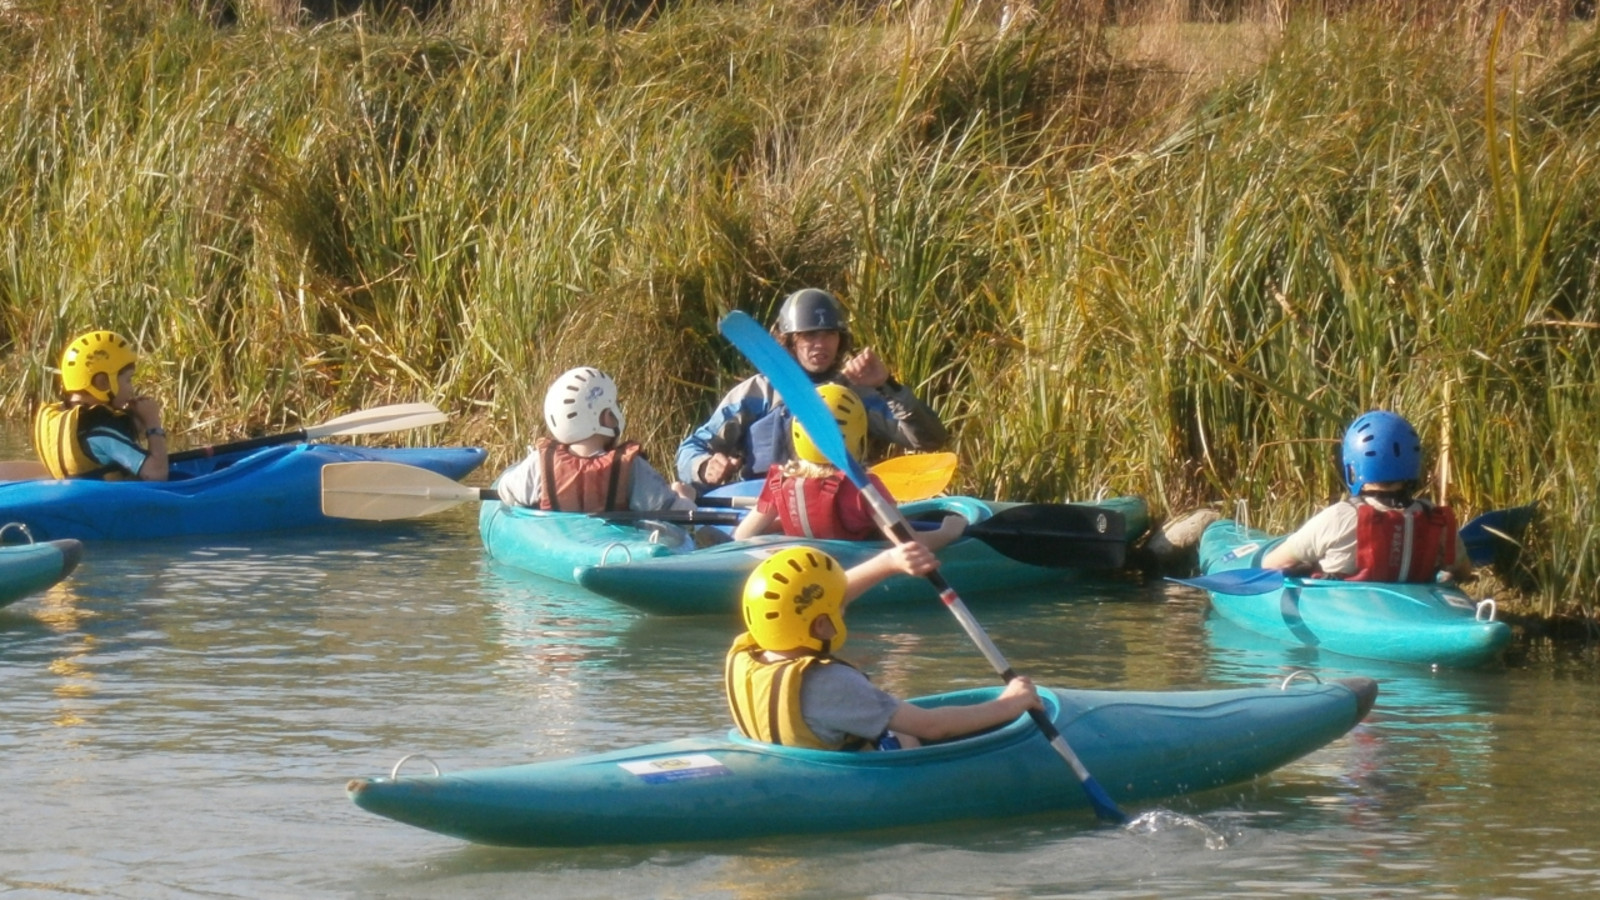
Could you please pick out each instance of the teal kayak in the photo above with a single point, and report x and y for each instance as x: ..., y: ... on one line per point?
x: 1139, y: 745
x: 711, y: 580
x: 270, y: 489
x: 1433, y: 623
x: 554, y: 544
x: 29, y: 568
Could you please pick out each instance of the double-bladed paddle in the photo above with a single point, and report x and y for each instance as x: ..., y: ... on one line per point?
x: 802, y: 399
x: 377, y: 420
x: 383, y: 491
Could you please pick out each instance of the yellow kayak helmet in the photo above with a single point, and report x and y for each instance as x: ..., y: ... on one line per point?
x: 91, y: 354
x: 845, y: 404
x: 787, y: 592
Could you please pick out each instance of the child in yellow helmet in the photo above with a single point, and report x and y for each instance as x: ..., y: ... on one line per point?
x: 785, y: 686
x: 809, y: 497
x: 102, y: 426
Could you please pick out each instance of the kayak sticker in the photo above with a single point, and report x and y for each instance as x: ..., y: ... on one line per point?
x: 676, y: 768
x: 1242, y: 551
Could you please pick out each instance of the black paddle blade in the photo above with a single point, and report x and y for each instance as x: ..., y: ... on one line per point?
x: 1057, y: 535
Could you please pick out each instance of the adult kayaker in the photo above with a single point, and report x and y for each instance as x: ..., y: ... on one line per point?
x: 580, y: 466
x: 785, y: 686
x: 102, y: 427
x: 1382, y: 532
x: 808, y: 497
x: 749, y: 431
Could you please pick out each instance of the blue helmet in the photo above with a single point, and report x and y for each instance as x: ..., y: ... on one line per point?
x: 1381, y: 446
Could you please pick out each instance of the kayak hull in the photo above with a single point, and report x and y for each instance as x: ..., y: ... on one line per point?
x: 710, y: 581
x: 1138, y: 745
x: 554, y: 544
x: 1433, y: 624
x: 271, y: 489
x: 28, y: 568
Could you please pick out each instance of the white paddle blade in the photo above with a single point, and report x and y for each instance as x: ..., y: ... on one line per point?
x: 380, y: 419
x: 383, y: 491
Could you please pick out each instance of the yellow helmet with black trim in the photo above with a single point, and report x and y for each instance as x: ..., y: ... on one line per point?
x: 789, y: 591
x: 91, y: 354
x: 848, y: 412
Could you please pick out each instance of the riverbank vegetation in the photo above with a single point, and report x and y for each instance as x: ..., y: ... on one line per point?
x: 1122, y: 254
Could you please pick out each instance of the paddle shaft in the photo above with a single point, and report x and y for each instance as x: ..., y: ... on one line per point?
x: 894, y: 524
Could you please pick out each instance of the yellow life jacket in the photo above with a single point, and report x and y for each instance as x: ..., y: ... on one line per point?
x: 58, y: 432
x: 59, y: 442
x: 765, y: 697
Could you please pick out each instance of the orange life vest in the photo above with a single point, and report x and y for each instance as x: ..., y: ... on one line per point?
x: 572, y: 483
x: 1406, y: 545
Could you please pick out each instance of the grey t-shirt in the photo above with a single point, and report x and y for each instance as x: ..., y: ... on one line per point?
x: 838, y: 701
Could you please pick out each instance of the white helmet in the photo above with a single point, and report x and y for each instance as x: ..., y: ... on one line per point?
x: 573, y: 405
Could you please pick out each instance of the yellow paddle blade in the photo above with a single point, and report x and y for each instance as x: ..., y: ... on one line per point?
x: 916, y: 476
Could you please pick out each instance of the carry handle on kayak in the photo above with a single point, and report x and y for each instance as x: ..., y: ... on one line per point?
x: 806, y: 404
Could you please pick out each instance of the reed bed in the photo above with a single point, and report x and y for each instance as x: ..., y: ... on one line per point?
x: 1110, y: 275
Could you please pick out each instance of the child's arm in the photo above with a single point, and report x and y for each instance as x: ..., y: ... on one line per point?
x: 754, y: 523
x: 901, y: 559
x: 943, y: 722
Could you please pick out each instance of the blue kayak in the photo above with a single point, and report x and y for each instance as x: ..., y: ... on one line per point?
x: 1138, y: 745
x: 711, y: 580
x: 28, y: 568
x: 271, y: 489
x: 1432, y: 623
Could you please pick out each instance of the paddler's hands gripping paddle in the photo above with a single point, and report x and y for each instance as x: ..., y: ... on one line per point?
x: 790, y: 381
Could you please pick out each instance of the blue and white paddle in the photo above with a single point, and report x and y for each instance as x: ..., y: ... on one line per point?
x: 792, y: 383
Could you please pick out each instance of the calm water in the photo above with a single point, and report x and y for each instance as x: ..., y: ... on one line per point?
x: 179, y: 720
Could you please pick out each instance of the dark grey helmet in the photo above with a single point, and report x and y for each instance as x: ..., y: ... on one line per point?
x: 812, y: 309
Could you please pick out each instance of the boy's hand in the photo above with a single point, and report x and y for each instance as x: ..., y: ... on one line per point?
x: 146, y: 412
x: 912, y: 558
x: 1021, y: 689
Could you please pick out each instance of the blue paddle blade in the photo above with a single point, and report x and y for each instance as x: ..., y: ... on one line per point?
x: 1239, y: 582
x: 792, y: 383
x: 1485, y: 535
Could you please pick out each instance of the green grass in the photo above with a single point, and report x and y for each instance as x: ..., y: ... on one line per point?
x: 1112, y: 272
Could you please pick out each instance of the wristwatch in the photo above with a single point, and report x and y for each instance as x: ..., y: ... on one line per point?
x: 157, y: 431
x: 891, y: 384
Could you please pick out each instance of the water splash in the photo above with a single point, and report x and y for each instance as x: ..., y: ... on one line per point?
x: 1159, y: 821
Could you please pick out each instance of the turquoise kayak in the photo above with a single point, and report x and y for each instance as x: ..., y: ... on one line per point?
x: 28, y: 568
x: 554, y: 544
x: 1138, y: 745
x: 271, y: 489
x: 1433, y: 623
x: 711, y: 580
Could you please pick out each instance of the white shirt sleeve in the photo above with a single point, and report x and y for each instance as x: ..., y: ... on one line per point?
x: 1327, y: 540
x: 520, y: 485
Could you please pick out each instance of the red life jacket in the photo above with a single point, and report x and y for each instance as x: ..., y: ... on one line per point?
x: 1411, y: 545
x: 572, y: 483
x: 809, y: 507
